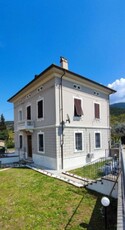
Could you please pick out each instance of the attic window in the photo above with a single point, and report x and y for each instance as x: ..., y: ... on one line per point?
x: 78, y: 112
x: 77, y: 86
x: 39, y: 89
x: 96, y: 93
x: 28, y: 96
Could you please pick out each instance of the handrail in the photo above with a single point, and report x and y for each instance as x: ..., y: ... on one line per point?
x: 121, y: 191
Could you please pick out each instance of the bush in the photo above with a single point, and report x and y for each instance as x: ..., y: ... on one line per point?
x: 2, y: 149
x: 3, y: 134
x: 9, y: 143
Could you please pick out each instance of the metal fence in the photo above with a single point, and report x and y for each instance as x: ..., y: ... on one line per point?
x: 121, y: 191
x: 106, y: 166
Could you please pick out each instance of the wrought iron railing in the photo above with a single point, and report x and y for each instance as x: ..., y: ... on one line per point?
x: 105, y: 166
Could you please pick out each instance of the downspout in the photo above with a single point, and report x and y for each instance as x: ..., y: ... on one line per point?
x: 62, y: 122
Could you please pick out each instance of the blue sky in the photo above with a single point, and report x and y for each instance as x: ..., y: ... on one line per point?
x: 34, y: 34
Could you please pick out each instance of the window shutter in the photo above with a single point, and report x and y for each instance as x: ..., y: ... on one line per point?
x: 77, y: 107
x: 97, y: 111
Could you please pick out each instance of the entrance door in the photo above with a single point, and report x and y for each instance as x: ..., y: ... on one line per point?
x: 29, y: 145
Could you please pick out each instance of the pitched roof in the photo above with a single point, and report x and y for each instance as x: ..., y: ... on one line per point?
x: 109, y: 90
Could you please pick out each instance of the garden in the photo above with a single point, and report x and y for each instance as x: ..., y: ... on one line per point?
x: 30, y: 200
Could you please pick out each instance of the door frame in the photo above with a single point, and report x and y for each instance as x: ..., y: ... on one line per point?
x: 29, y: 145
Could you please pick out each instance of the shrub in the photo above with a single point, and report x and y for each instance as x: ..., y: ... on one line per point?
x: 10, y: 143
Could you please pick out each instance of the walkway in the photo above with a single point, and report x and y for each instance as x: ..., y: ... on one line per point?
x: 64, y: 176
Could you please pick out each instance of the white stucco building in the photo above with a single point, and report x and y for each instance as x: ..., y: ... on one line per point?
x: 61, y: 119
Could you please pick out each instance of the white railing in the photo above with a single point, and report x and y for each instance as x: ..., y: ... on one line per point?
x: 26, y: 125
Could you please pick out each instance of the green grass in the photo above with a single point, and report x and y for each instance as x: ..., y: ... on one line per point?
x: 92, y: 171
x: 32, y: 201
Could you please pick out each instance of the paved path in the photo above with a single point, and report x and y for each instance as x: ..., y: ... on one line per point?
x: 4, y: 169
x: 64, y: 176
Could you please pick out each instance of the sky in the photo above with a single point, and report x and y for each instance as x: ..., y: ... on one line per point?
x: 34, y: 34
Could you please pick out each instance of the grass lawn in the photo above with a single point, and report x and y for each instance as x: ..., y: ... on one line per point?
x: 32, y: 201
x: 90, y: 171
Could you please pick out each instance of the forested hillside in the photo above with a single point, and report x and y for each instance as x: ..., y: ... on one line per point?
x: 117, y: 109
x: 117, y: 121
x: 117, y: 113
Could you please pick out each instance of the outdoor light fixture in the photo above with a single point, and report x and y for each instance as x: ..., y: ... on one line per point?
x: 105, y: 202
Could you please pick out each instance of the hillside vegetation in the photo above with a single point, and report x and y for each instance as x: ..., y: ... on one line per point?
x: 117, y: 113
x: 7, y: 132
x: 117, y: 121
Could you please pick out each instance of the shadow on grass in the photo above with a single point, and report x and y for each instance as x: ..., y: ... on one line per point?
x: 97, y: 219
x: 66, y: 227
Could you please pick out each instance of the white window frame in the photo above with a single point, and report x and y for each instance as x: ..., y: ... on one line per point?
x: 95, y: 102
x: 20, y: 115
x: 20, y: 135
x: 31, y: 111
x: 40, y: 99
x: 41, y: 133
x: 76, y: 150
x: 95, y: 140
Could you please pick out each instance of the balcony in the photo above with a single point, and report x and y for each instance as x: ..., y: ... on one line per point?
x: 25, y: 125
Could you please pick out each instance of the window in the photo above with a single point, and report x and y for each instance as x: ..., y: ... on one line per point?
x: 40, y: 108
x: 29, y: 112
x: 77, y: 108
x: 20, y: 115
x: 41, y: 142
x: 97, y: 140
x: 97, y: 110
x: 20, y: 141
x: 78, y: 141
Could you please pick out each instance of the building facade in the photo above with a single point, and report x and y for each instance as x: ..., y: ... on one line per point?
x: 61, y: 119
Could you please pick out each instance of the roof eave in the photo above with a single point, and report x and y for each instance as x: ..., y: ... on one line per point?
x: 109, y: 90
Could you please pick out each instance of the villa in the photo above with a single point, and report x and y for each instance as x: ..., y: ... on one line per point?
x: 62, y: 119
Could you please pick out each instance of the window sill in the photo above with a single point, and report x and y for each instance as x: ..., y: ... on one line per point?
x: 40, y: 119
x: 39, y: 152
x: 77, y: 118
x: 78, y: 151
x: 97, y: 119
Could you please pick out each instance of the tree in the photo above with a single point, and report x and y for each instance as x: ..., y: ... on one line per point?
x: 2, y: 123
x: 117, y: 131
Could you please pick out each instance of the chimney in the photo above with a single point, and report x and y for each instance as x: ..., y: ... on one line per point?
x: 64, y: 63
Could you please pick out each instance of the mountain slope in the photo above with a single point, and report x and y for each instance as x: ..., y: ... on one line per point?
x: 117, y: 109
x: 118, y: 105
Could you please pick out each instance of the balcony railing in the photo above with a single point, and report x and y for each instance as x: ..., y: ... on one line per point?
x: 27, y: 125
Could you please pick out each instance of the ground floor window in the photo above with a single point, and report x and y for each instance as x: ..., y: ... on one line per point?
x: 78, y: 141
x: 20, y: 141
x: 41, y: 147
x: 97, y: 140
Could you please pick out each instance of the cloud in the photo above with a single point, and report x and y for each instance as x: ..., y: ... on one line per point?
x: 119, y: 86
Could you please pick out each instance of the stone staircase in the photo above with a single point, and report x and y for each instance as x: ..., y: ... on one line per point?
x: 84, y: 181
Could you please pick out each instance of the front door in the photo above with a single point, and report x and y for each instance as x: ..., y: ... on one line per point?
x: 29, y: 145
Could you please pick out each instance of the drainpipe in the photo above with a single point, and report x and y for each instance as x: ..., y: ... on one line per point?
x: 62, y: 122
